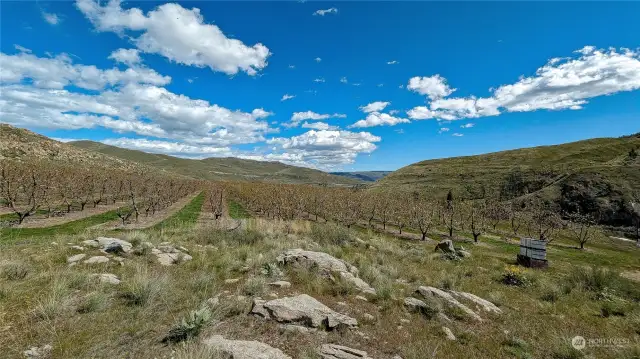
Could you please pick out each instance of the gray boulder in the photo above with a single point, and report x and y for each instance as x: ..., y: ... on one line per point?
x: 446, y: 246
x: 76, y: 258
x: 302, y: 309
x: 244, y: 349
x: 327, y: 265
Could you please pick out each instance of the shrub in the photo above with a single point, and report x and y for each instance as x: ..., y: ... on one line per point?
x: 15, y: 271
x: 330, y: 233
x: 616, y: 308
x: 142, y: 288
x: 603, y: 282
x: 515, y: 276
x: 190, y: 326
x: 254, y: 286
x: 518, y: 348
x: 54, y: 303
x: 94, y: 302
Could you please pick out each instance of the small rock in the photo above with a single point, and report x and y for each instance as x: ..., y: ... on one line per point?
x: 77, y: 248
x: 359, y: 297
x: 43, y: 352
x: 334, y: 351
x: 213, y: 301
x: 280, y: 284
x: 76, y: 258
x: 231, y: 281
x: 448, y: 333
x: 167, y: 259
x: 107, y: 278
x: 96, y: 260
x: 369, y: 317
x: 91, y: 243
x: 342, y: 304
x: 405, y: 321
x: 484, y: 304
x: 114, y: 245
x: 54, y: 243
x: 273, y: 295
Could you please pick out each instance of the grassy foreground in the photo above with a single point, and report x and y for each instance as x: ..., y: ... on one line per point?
x: 44, y: 301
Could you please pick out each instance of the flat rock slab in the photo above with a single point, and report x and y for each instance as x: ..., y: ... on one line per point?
x: 96, y: 260
x: 107, y: 278
x: 428, y: 292
x: 76, y: 258
x: 302, y: 309
x: 334, y: 351
x: 321, y: 260
x: 484, y: 304
x: 167, y: 259
x: 244, y: 349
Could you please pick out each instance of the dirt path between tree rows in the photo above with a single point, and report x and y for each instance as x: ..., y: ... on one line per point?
x: 41, y: 221
x: 145, y: 222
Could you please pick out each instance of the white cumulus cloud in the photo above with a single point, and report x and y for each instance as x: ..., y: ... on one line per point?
x: 561, y: 84
x: 332, y: 10
x: 327, y: 148
x: 51, y: 18
x: 374, y: 106
x: 129, y: 57
x: 179, y: 34
x: 379, y: 119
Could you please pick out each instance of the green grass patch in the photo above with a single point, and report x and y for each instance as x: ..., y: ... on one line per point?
x: 187, y: 216
x: 73, y: 227
x: 236, y: 211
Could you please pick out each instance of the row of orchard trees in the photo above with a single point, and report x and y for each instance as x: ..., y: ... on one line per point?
x: 413, y: 210
x: 55, y: 189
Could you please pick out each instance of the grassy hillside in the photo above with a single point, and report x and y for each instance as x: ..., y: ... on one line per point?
x: 18, y: 143
x: 219, y: 168
x: 600, y: 173
x: 367, y: 176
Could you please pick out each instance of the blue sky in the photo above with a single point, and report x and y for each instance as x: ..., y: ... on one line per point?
x: 440, y: 79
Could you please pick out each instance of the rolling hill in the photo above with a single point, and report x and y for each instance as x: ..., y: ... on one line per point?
x: 17, y: 143
x: 228, y: 168
x: 601, y: 174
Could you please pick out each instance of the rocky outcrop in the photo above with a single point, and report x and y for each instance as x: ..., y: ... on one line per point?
x: 327, y: 265
x: 302, y: 309
x: 431, y: 292
x: 243, y: 349
x: 334, y: 351
x: 167, y: 254
x: 416, y: 305
x: 109, y: 245
x: 448, y: 333
x: 481, y: 303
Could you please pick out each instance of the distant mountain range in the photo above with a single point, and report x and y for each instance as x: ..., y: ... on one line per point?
x: 366, y: 176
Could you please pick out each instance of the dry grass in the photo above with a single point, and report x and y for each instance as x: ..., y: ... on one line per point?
x: 55, y: 304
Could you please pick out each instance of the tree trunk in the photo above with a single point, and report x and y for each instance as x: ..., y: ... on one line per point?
x: 475, y: 237
x: 450, y: 231
x: 581, y: 244
x: 424, y: 236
